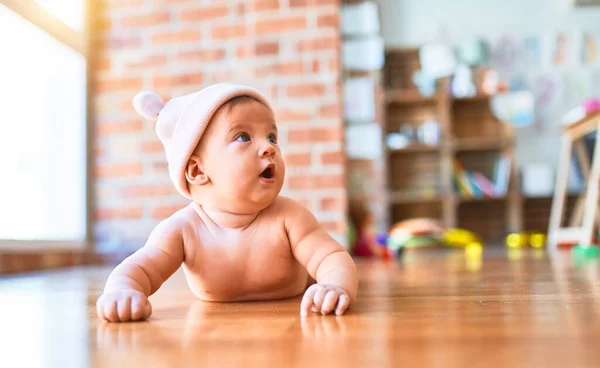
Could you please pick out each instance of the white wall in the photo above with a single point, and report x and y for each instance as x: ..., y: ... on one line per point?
x: 408, y: 23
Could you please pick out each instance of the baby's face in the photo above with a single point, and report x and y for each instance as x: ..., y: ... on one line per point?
x: 242, y: 159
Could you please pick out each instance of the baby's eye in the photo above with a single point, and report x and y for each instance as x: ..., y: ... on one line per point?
x: 273, y: 138
x: 243, y: 138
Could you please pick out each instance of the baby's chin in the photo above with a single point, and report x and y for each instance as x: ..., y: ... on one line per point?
x: 243, y: 204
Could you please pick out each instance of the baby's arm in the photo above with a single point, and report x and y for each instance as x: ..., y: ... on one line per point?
x: 325, y: 260
x: 130, y: 284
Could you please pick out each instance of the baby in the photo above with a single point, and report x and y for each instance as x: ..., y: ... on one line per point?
x: 238, y: 239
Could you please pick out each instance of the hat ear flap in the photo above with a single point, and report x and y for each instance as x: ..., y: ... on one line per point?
x: 148, y: 104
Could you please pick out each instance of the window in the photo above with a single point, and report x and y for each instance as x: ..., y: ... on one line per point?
x: 42, y: 129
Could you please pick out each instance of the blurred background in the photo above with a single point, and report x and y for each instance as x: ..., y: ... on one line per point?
x: 447, y: 110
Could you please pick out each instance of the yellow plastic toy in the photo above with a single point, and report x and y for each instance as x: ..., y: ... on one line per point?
x: 523, y: 239
x: 460, y: 238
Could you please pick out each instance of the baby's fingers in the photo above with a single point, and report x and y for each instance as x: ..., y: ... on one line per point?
x: 343, y: 303
x: 124, y: 308
x: 140, y: 308
x: 329, y: 302
x: 110, y: 312
x: 307, y: 300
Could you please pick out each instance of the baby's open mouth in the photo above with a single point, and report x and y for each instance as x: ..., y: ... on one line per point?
x: 268, y: 173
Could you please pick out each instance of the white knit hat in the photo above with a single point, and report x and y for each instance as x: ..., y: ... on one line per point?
x: 181, y: 122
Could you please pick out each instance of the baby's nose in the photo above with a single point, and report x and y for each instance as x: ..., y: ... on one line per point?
x: 266, y: 150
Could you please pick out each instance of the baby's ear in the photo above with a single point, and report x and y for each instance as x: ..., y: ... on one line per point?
x: 194, y: 171
x: 148, y: 104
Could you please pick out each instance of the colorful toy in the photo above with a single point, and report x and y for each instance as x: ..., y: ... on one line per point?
x: 460, y: 237
x: 586, y: 251
x: 533, y: 239
x: 415, y: 233
x: 473, y: 249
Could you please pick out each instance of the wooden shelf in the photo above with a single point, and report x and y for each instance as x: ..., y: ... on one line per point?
x: 472, y: 138
x: 479, y: 144
x: 402, y: 198
x: 476, y: 98
x: 415, y: 148
x: 407, y: 97
x: 482, y: 200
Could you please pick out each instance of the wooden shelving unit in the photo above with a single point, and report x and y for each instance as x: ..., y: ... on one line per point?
x: 420, y: 177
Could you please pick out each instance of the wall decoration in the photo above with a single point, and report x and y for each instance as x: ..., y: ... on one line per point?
x: 589, y: 48
x: 561, y: 49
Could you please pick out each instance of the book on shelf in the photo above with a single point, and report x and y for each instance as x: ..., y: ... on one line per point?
x: 470, y: 184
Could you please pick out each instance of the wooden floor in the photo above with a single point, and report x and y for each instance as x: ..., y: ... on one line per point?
x: 429, y: 309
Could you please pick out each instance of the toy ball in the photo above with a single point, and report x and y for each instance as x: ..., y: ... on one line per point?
x: 516, y: 240
x: 537, y: 240
x: 474, y: 249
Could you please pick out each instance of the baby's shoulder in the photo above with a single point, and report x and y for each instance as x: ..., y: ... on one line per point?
x: 178, y: 223
x: 290, y: 211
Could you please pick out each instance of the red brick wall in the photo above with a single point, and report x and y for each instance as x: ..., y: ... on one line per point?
x: 289, y: 49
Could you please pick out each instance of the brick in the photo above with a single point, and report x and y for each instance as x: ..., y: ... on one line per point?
x: 298, y: 159
x: 229, y: 31
x: 313, y: 135
x: 334, y: 65
x: 164, y: 81
x: 241, y: 9
x: 330, y: 111
x: 284, y: 68
x: 204, y: 13
x: 119, y: 170
x: 334, y: 226
x: 202, y: 55
x: 333, y: 158
x: 330, y: 181
x: 333, y: 204
x: 266, y: 48
x: 119, y: 213
x: 162, y: 212
x: 244, y: 51
x: 319, y: 44
x: 175, y: 37
x: 299, y: 3
x: 328, y: 21
x: 306, y: 90
x: 315, y: 66
x: 135, y: 191
x: 152, y: 147
x: 293, y: 115
x: 146, y: 20
x: 148, y: 62
x: 118, y: 84
x: 160, y: 167
x: 262, y: 5
x: 278, y: 26
x: 312, y: 182
x: 120, y: 42
x: 103, y: 129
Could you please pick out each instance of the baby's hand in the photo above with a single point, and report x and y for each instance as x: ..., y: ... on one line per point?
x: 324, y: 299
x: 123, y: 306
